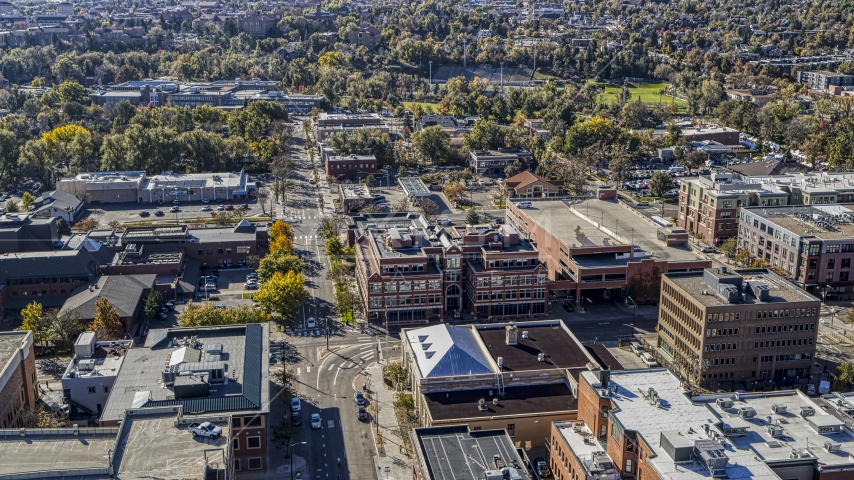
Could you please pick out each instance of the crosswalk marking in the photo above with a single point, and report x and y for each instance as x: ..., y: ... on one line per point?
x: 331, y: 367
x: 298, y: 371
x: 364, y: 339
x: 307, y: 369
x: 365, y: 346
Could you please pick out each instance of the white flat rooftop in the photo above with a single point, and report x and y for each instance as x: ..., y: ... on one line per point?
x: 675, y: 413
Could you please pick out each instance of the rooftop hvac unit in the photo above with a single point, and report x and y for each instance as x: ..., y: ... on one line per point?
x: 724, y: 402
x: 746, y: 412
x: 832, y: 446
x: 778, y: 408
x: 806, y: 411
x: 776, y: 431
x: 524, y: 334
x: 541, y: 357
x: 86, y: 365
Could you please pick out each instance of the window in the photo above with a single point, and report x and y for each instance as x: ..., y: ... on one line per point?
x: 253, y: 442
x: 254, y: 464
x: 201, y: 252
x: 252, y: 422
x: 235, y: 422
x: 106, y: 389
x: 237, y: 464
x: 91, y: 389
x: 511, y: 429
x: 475, y: 429
x: 235, y: 444
x: 244, y: 249
x: 628, y: 466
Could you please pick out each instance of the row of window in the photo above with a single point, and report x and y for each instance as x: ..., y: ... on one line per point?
x: 718, y: 347
x: 714, y: 362
x: 406, y: 286
x: 782, y: 343
x: 254, y: 463
x: 510, y: 294
x: 801, y: 327
x: 519, y: 262
x: 784, y: 358
x: 405, y: 301
x: 498, y: 281
x: 221, y: 251
x: 415, y: 267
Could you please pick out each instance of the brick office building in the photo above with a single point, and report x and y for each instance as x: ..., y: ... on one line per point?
x: 44, y: 277
x: 745, y: 327
x: 18, y: 386
x: 596, y: 248
x: 409, y: 271
x: 813, y: 245
x: 350, y: 166
x: 650, y: 427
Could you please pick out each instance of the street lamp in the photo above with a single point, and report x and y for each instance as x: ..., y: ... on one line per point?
x: 292, y: 457
x: 633, y: 314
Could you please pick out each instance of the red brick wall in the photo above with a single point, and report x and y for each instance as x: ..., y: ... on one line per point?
x: 240, y: 436
x: 19, y: 392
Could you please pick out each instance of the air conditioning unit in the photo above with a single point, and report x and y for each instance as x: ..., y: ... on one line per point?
x: 832, y: 446
x: 746, y: 412
x: 806, y: 411
x: 778, y: 408
x: 776, y: 431
x: 724, y: 402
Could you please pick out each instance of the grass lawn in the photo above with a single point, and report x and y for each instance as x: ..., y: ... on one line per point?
x: 647, y: 92
x: 411, y: 105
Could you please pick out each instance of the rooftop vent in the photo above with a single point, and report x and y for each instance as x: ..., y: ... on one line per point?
x: 541, y: 357
x: 524, y: 334
x: 806, y: 411
x: 832, y: 447
x: 746, y: 412
x: 712, y: 456
x: 511, y: 334
x: 776, y: 431
x: 724, y: 402
x: 778, y: 408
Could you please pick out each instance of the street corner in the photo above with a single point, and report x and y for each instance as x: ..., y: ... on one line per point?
x: 324, y: 352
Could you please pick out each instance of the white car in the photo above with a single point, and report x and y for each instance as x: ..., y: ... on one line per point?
x: 206, y: 429
x: 296, y: 406
x: 209, y: 287
x: 310, y: 323
x: 205, y: 200
x: 708, y: 250
x: 315, y: 421
x: 648, y: 360
x: 206, y: 208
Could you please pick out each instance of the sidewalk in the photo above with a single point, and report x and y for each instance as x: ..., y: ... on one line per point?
x: 391, y: 464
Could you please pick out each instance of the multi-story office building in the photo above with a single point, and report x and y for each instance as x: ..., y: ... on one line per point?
x: 493, y: 162
x: 18, y: 386
x: 809, y: 244
x: 411, y: 271
x: 721, y: 328
x: 599, y: 249
x: 709, y: 204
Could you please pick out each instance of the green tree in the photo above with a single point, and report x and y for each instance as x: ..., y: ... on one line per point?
x: 107, y: 324
x: 621, y: 168
x: 844, y: 377
x: 279, y: 262
x: 694, y: 160
x: 283, y: 294
x: 33, y: 320
x: 660, y: 183
x: 152, y: 305
x: 485, y: 134
x: 334, y: 248
x: 472, y: 217
x: 63, y: 326
x: 27, y: 199
x: 433, y: 144
x: 370, y: 182
x: 71, y: 92
x: 729, y: 247
x: 200, y: 315
x: 11, y: 206
x: 62, y: 227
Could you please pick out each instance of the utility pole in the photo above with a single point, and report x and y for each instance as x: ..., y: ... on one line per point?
x: 431, y: 71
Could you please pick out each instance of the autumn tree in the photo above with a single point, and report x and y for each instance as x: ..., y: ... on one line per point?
x: 27, y: 200
x: 454, y: 191
x: 433, y: 144
x: 201, y: 315
x: 660, y: 183
x: 107, y: 324
x: 281, y: 237
x: 282, y: 294
x: 86, y: 225
x: 278, y: 262
x: 33, y: 320
x: 429, y: 209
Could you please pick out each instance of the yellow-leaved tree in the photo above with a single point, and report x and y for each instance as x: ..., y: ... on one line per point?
x: 33, y: 316
x: 281, y: 238
x: 282, y: 293
x: 107, y: 324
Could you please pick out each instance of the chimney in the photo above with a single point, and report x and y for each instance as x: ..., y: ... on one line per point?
x: 512, y: 334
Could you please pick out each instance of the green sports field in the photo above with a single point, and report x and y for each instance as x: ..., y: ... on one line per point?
x: 647, y: 92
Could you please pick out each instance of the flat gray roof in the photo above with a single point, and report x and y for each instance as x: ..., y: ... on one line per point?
x: 10, y: 343
x: 455, y: 452
x: 779, y: 290
x: 153, y: 447
x: 827, y: 222
x: 38, y: 453
x: 414, y: 187
x: 566, y: 221
x: 797, y: 432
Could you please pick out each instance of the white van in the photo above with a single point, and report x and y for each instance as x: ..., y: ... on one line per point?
x: 648, y: 360
x: 637, y: 348
x: 443, y: 221
x: 524, y: 205
x: 673, y: 170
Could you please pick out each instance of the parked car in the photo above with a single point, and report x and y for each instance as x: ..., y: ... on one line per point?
x: 648, y: 360
x: 206, y: 429
x: 228, y: 206
x: 315, y: 421
x: 250, y: 276
x: 220, y: 208
x: 362, y: 413
x: 542, y: 467
x: 524, y: 205
x: 643, y: 203
x: 637, y: 348
x: 443, y: 221
x: 708, y: 250
x: 360, y: 399
x: 295, y: 419
x: 219, y: 306
x: 205, y: 200
x: 310, y: 323
x: 159, y: 213
x: 206, y: 208
x: 251, y: 284
x: 175, y: 209
x: 296, y: 406
x: 169, y: 306
x: 567, y: 305
x: 245, y: 206
x: 208, y: 287
x: 144, y: 213
x: 176, y: 202
x: 162, y: 316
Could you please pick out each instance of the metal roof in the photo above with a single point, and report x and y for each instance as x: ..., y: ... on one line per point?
x: 448, y: 350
